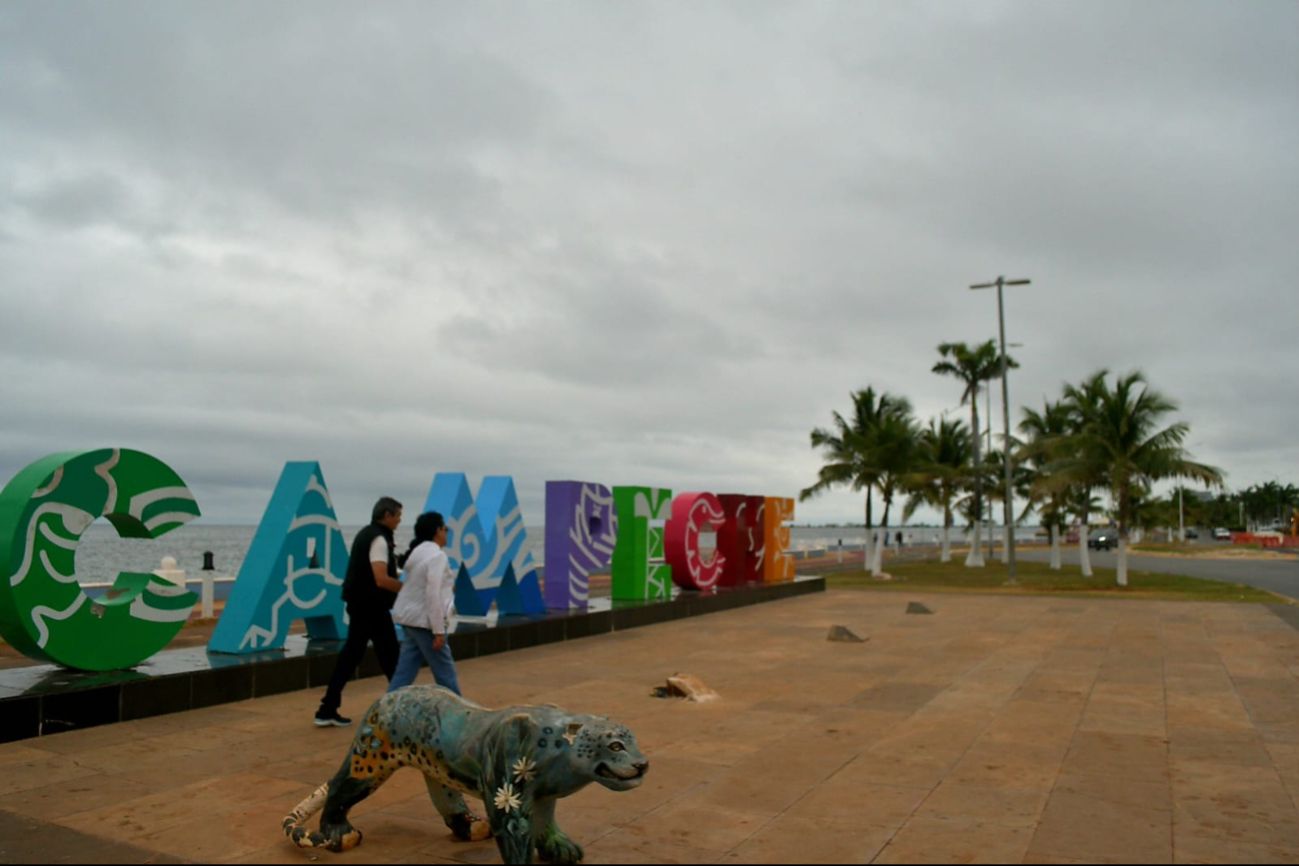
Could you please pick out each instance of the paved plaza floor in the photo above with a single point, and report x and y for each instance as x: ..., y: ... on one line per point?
x: 996, y: 729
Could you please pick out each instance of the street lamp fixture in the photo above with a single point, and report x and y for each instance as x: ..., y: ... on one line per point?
x: 1005, y: 408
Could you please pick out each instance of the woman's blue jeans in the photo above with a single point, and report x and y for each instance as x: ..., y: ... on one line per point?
x: 416, y: 650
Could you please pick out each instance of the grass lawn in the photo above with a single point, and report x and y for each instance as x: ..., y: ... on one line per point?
x: 1038, y: 578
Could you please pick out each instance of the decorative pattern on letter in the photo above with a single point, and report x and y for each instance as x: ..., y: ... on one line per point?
x: 693, y: 513
x: 639, y: 571
x: 486, y: 535
x: 294, y: 569
x: 741, y: 539
x: 581, y: 531
x: 779, y: 564
x: 43, y: 512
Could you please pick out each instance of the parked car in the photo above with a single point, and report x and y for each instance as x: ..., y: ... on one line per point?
x: 1191, y: 532
x: 1222, y: 534
x: 1103, y: 539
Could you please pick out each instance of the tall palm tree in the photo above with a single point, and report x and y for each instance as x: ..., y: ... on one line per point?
x: 1121, y: 436
x: 943, y: 467
x: 1080, y: 404
x: 849, y: 449
x: 895, y: 447
x: 973, y: 367
x: 1044, y: 430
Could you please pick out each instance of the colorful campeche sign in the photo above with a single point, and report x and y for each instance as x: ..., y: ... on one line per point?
x: 645, y: 538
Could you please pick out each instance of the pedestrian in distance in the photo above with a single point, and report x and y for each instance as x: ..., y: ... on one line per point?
x: 369, y: 590
x: 423, y: 607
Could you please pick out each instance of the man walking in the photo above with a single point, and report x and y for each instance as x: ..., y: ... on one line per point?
x: 369, y: 590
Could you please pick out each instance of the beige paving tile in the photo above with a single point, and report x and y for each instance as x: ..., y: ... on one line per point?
x: 790, y: 839
x: 925, y: 841
x: 1188, y: 847
x: 1225, y: 711
x: 1126, y: 756
x: 1084, y: 827
x: 39, y: 772
x: 943, y: 740
x: 1231, y: 747
x: 1241, y: 803
x: 954, y: 803
x: 625, y: 846
x: 708, y: 827
x: 1004, y: 765
x: 1151, y: 794
x: 281, y: 852
x: 70, y: 796
x: 892, y: 768
x: 1124, y: 717
x: 217, y: 837
x: 844, y: 800
x: 75, y: 742
x: 19, y: 753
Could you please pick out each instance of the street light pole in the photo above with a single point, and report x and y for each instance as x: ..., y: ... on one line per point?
x: 1009, y: 540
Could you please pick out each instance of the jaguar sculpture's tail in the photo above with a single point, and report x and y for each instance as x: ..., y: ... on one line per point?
x: 306, y: 838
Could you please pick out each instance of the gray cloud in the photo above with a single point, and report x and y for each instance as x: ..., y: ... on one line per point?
x: 626, y: 243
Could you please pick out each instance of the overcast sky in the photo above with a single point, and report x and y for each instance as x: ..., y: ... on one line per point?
x: 630, y: 243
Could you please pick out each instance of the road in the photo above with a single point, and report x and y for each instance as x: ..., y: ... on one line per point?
x: 1275, y: 575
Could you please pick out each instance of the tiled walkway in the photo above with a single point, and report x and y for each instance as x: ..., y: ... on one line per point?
x: 998, y: 729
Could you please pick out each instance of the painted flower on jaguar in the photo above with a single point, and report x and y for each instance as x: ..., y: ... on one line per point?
x: 525, y: 770
x: 506, y: 798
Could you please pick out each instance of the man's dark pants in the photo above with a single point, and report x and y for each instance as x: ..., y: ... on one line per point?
x: 364, y: 626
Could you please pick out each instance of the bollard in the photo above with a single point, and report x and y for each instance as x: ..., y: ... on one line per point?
x: 207, y: 561
x: 207, y: 602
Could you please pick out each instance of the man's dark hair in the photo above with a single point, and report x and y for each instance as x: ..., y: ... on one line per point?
x: 385, y: 506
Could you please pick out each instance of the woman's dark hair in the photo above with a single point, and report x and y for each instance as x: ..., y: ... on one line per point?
x: 426, y: 526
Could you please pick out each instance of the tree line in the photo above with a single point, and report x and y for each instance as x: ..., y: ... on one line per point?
x: 1105, y: 434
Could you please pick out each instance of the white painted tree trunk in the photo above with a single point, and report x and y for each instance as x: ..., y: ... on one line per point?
x: 947, y: 545
x: 975, y: 557
x: 1084, y: 555
x: 1055, y: 547
x: 866, y: 548
x: 1005, y: 546
x: 1123, y: 561
x: 878, y: 566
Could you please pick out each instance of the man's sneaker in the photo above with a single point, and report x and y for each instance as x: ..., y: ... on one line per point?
x: 325, y: 721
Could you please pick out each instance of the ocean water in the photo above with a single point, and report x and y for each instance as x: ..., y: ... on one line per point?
x: 102, y: 554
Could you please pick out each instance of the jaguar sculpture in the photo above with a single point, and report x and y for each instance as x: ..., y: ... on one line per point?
x: 519, y: 760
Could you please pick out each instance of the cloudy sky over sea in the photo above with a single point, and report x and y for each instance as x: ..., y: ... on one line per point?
x: 632, y: 243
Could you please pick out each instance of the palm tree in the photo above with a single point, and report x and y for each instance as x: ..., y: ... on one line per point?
x: 849, y: 451
x: 1080, y: 403
x: 943, y: 467
x: 1120, y: 437
x: 895, y: 445
x: 1045, y: 430
x: 973, y: 367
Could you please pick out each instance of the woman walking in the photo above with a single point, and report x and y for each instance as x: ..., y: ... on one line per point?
x: 423, y: 607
